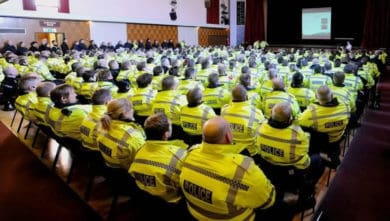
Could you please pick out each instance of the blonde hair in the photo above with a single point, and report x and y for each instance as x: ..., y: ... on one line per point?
x: 117, y: 109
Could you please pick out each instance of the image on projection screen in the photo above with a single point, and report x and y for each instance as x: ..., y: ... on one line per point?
x: 316, y: 23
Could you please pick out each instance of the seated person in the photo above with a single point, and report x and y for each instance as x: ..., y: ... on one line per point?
x: 327, y: 117
x: 208, y: 172
x: 170, y: 102
x: 9, y: 86
x: 215, y: 95
x: 194, y: 115
x: 27, y: 95
x: 43, y: 104
x: 243, y: 118
x: 189, y: 82
x: 143, y: 98
x: 124, y: 90
x: 252, y: 92
x: 277, y: 95
x: 157, y: 77
x: 120, y: 137
x: 284, y: 158
x: 90, y: 125
x: 160, y: 181
x: 89, y: 86
x: 66, y: 116
x: 105, y: 80
x: 304, y: 96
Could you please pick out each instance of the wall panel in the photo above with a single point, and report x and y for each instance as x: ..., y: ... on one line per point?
x: 158, y: 32
x: 212, y: 36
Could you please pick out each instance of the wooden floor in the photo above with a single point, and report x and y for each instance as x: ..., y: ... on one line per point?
x: 101, y: 196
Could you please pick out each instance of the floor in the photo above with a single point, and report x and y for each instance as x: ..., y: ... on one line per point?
x: 101, y: 196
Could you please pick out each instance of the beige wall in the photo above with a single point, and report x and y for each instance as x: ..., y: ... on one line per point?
x: 73, y: 30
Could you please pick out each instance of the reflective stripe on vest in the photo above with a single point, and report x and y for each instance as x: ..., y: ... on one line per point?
x: 294, y: 135
x: 234, y: 183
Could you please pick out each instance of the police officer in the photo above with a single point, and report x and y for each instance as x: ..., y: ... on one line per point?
x: 317, y: 78
x: 43, y: 104
x: 169, y: 101
x: 221, y: 185
x: 194, y: 115
x: 278, y: 95
x: 243, y: 118
x: 90, y: 125
x: 327, y: 117
x: 9, y: 86
x: 41, y: 68
x: 284, y: 150
x: 189, y: 82
x: 120, y: 137
x: 215, y: 95
x: 252, y: 92
x: 304, y: 96
x: 143, y: 98
x: 66, y: 116
x: 27, y: 95
x: 157, y: 164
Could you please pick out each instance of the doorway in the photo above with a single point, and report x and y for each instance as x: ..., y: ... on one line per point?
x: 58, y: 37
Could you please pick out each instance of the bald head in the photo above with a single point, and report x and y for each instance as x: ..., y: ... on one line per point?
x: 217, y: 131
x: 282, y: 112
x: 324, y: 94
x: 239, y: 93
x: 277, y: 84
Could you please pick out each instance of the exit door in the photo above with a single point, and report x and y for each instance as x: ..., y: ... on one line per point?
x: 58, y: 37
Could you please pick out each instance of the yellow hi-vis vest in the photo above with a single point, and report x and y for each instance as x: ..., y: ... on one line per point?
x: 354, y: 83
x: 216, y: 97
x: 157, y: 166
x: 284, y: 147
x: 170, y: 103
x: 243, y: 118
x: 142, y: 100
x: 68, y: 126
x: 188, y: 84
x: 221, y: 185
x: 23, y: 103
x: 193, y: 118
x: 331, y: 119
x: 317, y: 80
x: 304, y: 96
x: 120, y: 143
x: 42, y: 70
x: 40, y: 110
x: 87, y: 89
x: 90, y: 125
x: 276, y: 97
x: 344, y: 94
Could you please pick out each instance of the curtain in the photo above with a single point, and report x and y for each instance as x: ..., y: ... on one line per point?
x: 376, y: 32
x: 213, y: 12
x: 254, y: 21
x: 64, y: 6
x: 29, y: 5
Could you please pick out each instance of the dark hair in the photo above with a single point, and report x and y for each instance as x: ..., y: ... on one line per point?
x: 158, y: 70
x: 144, y: 80
x: 123, y: 86
x: 155, y: 126
x: 60, y: 91
x: 297, y: 80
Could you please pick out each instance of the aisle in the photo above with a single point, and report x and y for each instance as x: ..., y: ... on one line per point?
x: 360, y: 190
